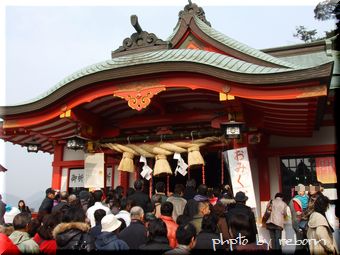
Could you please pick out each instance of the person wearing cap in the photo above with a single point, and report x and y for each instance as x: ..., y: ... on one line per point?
x: 47, y: 204
x: 241, y: 208
x: 108, y: 240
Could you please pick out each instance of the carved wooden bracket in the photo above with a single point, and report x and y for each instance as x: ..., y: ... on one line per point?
x: 139, y: 98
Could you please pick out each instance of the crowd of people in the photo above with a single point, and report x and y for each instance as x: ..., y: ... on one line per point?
x: 188, y: 220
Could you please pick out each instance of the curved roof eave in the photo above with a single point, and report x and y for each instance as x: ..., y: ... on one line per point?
x: 214, y: 64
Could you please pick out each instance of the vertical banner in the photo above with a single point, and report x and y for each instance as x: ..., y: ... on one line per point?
x: 109, y: 177
x: 240, y: 174
x: 76, y: 179
x: 94, y: 170
x: 325, y: 169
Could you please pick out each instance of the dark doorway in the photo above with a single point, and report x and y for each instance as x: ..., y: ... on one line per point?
x: 213, y: 166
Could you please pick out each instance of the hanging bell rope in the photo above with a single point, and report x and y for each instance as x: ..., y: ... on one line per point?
x: 126, y: 164
x: 194, y: 156
x: 161, y: 166
x: 160, y: 151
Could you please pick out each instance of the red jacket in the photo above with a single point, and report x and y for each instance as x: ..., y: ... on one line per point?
x: 46, y: 246
x: 7, y: 247
x: 171, y: 226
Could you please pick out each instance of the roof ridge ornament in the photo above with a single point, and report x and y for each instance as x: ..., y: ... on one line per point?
x: 140, y: 41
x: 194, y: 9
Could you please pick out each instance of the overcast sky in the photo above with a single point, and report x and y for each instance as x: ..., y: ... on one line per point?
x: 44, y: 44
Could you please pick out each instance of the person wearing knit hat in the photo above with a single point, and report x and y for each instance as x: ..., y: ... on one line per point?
x: 108, y: 240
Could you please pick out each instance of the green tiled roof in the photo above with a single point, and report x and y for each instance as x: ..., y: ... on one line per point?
x: 310, y: 59
x: 240, y: 46
x: 174, y: 55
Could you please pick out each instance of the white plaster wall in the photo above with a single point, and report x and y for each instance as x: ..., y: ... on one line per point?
x: 116, y: 177
x: 64, y: 174
x: 274, y: 175
x: 326, y: 135
x: 73, y: 155
x: 255, y: 176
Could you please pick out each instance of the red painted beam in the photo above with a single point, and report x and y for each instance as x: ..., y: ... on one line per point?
x: 166, y: 120
x: 69, y: 163
x: 329, y: 149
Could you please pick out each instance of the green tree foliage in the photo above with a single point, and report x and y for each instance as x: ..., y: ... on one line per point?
x: 305, y: 35
x: 323, y: 11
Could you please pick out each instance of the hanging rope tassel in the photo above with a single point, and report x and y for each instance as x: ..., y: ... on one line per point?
x: 222, y: 168
x: 126, y: 164
x: 203, y: 174
x: 167, y: 184
x: 150, y: 187
x: 136, y: 173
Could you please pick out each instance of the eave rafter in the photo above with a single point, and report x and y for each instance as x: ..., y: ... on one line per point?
x: 191, y: 81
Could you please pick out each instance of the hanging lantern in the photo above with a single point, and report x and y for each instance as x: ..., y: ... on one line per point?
x: 75, y: 143
x: 232, y: 129
x: 33, y: 146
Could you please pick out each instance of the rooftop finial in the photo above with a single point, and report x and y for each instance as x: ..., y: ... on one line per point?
x: 140, y: 41
x: 135, y: 24
x: 193, y: 9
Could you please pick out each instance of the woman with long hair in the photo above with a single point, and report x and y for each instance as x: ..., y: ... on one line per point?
x: 319, y: 230
x: 23, y: 207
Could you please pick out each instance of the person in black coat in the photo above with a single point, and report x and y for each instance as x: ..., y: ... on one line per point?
x: 135, y: 234
x: 47, y: 204
x: 190, y: 189
x: 208, y: 233
x: 139, y: 198
x: 241, y: 208
x: 23, y: 207
x: 97, y: 229
x: 62, y: 205
x: 157, y: 237
x: 72, y: 233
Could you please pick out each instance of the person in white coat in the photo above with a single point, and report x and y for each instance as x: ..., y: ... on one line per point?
x: 97, y: 195
x: 319, y: 230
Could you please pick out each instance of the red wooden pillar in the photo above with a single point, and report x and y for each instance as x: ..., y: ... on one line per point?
x: 124, y: 179
x: 264, y: 181
x: 57, y: 169
x: 263, y: 168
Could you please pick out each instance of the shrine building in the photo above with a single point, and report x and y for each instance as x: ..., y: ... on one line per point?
x: 196, y: 94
